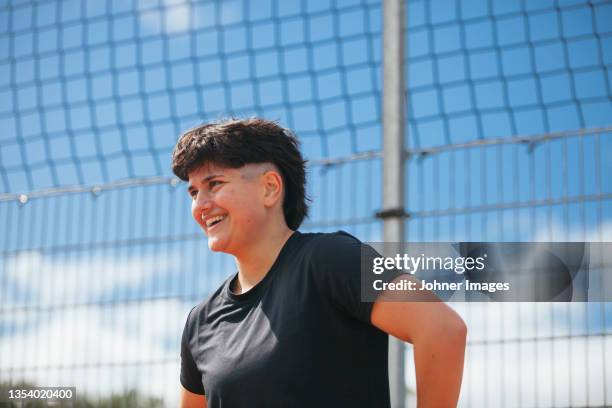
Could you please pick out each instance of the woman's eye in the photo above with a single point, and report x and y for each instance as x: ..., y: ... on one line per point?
x: 213, y: 183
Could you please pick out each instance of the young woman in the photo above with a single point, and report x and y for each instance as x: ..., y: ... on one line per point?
x: 289, y: 329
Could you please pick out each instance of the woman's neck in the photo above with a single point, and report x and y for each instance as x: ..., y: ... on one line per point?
x: 254, y: 264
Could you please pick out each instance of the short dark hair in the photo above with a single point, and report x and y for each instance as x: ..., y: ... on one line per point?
x: 232, y: 143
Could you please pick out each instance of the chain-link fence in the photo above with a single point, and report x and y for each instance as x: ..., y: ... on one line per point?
x: 509, y: 138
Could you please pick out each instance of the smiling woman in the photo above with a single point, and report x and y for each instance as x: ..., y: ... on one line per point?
x: 222, y: 204
x: 290, y: 327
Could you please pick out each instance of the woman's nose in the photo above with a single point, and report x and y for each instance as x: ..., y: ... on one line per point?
x: 203, y: 203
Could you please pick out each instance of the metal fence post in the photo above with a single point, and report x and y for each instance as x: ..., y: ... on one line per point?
x: 393, y: 162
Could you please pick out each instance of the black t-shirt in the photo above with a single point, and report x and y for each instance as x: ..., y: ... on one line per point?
x: 300, y: 338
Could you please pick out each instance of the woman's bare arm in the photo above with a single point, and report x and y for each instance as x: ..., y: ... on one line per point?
x: 192, y: 400
x: 438, y: 335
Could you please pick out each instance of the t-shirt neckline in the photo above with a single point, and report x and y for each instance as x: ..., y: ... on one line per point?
x: 256, y: 291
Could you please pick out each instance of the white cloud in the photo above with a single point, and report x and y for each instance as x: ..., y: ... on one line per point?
x: 103, y: 349
x: 113, y: 340
x: 171, y: 16
x: 522, y: 355
x: 176, y: 16
x: 54, y: 279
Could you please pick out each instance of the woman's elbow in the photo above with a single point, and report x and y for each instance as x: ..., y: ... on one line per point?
x: 453, y: 331
x: 456, y: 327
x: 460, y: 329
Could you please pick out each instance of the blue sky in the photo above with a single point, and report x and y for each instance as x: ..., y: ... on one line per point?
x: 93, y: 92
x: 97, y: 91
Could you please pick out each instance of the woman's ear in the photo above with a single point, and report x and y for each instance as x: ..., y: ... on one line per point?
x: 273, y: 187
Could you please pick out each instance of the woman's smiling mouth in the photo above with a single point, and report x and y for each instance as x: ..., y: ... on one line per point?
x: 212, y: 221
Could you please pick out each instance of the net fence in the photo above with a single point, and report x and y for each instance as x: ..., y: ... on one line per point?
x: 509, y: 107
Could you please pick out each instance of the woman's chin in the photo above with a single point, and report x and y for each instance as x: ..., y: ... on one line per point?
x: 216, y: 245
x: 213, y: 244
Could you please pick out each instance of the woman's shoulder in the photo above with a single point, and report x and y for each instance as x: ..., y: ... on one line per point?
x: 329, y: 245
x: 337, y: 238
x: 202, y: 310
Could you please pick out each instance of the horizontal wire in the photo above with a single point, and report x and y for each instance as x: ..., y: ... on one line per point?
x: 326, y: 163
x: 511, y: 205
x: 101, y: 364
x: 95, y: 303
x: 517, y: 139
x: 537, y: 339
x: 157, y: 180
x: 93, y: 246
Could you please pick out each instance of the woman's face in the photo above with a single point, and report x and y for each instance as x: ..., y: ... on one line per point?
x: 228, y: 205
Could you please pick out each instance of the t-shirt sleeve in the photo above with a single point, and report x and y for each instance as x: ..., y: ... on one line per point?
x: 337, y: 271
x: 191, y: 378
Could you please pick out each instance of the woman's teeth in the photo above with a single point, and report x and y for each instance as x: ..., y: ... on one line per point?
x: 212, y: 221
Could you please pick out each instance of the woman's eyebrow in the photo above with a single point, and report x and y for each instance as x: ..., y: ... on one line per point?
x: 204, y: 180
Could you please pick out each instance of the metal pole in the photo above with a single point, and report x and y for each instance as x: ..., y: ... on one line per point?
x: 393, y: 162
